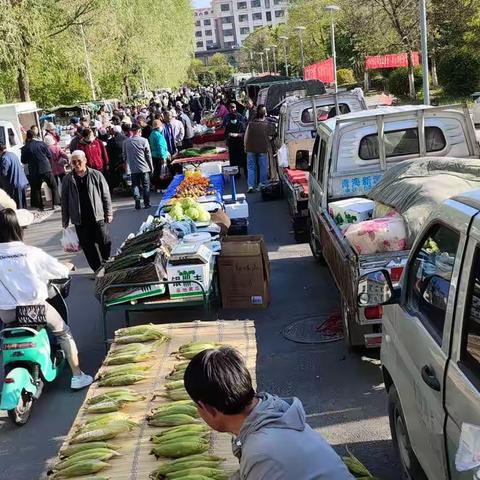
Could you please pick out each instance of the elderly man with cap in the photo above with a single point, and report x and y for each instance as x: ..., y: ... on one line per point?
x: 86, y: 203
x: 138, y: 156
x: 51, y: 131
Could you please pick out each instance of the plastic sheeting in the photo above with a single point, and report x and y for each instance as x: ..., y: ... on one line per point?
x: 414, y: 187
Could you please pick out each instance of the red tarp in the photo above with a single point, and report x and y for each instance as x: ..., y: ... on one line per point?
x: 393, y: 60
x: 218, y: 136
x: 320, y: 71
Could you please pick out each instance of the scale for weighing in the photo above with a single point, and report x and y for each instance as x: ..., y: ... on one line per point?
x: 236, y: 205
x: 190, y: 261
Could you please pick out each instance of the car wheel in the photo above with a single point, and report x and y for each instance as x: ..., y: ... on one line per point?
x: 410, y: 465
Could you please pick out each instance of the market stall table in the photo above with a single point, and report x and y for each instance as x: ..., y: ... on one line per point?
x: 197, y: 161
x: 136, y: 462
x: 217, y: 136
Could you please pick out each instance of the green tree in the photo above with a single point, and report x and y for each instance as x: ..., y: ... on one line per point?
x: 220, y: 68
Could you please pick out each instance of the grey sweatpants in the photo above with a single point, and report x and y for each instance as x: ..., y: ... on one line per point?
x: 55, y: 324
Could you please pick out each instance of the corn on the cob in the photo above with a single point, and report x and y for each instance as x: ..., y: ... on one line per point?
x: 81, y: 468
x: 120, y: 380
x: 198, y: 427
x: 355, y: 466
x: 172, y: 420
x: 179, y: 449
x: 127, y: 358
x: 106, y: 418
x: 106, y: 407
x: 110, y: 395
x: 100, y: 454
x: 106, y: 433
x: 121, y: 369
x: 171, y: 467
x: 179, y: 436
x: 83, y: 447
x: 214, y: 473
x: 186, y: 409
x: 144, y: 337
x: 139, y: 330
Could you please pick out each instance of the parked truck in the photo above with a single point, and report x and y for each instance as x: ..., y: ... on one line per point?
x: 15, y: 120
x: 431, y: 343
x: 350, y: 154
x: 297, y: 128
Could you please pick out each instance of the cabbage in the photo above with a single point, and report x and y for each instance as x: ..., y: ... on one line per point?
x: 193, y: 213
x: 188, y: 203
x: 203, y: 216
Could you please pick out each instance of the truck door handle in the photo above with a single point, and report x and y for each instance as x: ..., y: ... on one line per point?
x: 430, y: 378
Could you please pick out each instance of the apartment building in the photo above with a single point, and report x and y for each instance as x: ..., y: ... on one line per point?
x: 234, y: 20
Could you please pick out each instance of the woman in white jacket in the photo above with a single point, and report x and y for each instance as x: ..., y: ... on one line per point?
x: 24, y: 275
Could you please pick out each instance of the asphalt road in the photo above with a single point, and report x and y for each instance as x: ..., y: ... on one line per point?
x: 342, y: 391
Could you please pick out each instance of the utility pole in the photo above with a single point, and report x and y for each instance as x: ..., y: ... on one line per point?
x: 273, y: 47
x: 87, y: 63
x: 333, y: 9
x: 423, y: 32
x: 300, y: 31
x: 284, y: 38
x: 268, y: 61
x: 261, y: 60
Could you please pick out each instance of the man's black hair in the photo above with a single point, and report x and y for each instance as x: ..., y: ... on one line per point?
x: 219, y: 378
x: 30, y: 135
x: 10, y: 230
x: 261, y: 111
x: 2, y: 147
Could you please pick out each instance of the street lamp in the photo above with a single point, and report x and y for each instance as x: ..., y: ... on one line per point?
x: 423, y: 34
x: 268, y: 61
x: 284, y: 38
x: 261, y: 60
x: 273, y: 47
x: 300, y: 31
x: 333, y: 9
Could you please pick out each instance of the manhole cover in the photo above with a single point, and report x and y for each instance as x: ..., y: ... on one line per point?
x: 315, y: 329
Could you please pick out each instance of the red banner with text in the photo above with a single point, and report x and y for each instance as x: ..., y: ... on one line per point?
x: 322, y: 71
x: 393, y: 60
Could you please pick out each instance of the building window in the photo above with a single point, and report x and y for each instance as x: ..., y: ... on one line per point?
x: 243, y: 18
x: 241, y: 5
x: 255, y: 3
x: 207, y: 22
x: 229, y: 44
x: 209, y: 42
x: 227, y: 20
x: 267, y: 3
x: 257, y: 16
x: 244, y: 30
x: 197, y: 23
x: 198, y: 33
x: 278, y: 2
x: 228, y: 33
x: 208, y: 33
x: 199, y: 44
x: 256, y: 27
x: 269, y: 16
x: 279, y: 14
x: 224, y: 7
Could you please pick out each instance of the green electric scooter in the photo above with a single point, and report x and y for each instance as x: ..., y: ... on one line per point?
x: 31, y: 357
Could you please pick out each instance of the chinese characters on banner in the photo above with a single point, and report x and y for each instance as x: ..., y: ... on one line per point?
x: 393, y: 60
x: 322, y: 71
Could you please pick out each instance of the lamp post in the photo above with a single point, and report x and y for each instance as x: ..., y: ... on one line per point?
x: 284, y: 38
x: 273, y: 47
x: 300, y: 31
x: 261, y: 60
x: 268, y: 60
x: 333, y: 9
x: 423, y: 34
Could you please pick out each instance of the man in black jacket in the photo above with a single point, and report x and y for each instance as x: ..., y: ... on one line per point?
x: 116, y: 166
x: 37, y: 155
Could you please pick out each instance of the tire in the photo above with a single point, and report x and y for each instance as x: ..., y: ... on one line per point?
x: 315, y: 247
x: 346, y: 330
x: 21, y: 413
x: 411, y: 467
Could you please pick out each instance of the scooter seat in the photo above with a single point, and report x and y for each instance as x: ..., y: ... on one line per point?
x: 21, y: 332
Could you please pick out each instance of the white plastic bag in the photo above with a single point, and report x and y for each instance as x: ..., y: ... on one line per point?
x: 282, y: 156
x: 468, y: 453
x: 70, y: 242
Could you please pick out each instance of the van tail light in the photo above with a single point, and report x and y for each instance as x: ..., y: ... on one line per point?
x: 396, y: 273
x: 373, y: 340
x: 373, y: 313
x: 9, y: 380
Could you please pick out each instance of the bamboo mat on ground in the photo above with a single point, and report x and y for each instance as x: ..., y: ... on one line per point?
x: 136, y: 463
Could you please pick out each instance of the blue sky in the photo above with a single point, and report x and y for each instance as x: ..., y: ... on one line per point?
x: 201, y: 3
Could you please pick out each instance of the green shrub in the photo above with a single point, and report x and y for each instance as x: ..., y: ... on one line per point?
x: 398, y: 80
x: 345, y: 76
x: 459, y: 73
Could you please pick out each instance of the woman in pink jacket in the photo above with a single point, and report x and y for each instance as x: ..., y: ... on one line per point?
x: 58, y: 161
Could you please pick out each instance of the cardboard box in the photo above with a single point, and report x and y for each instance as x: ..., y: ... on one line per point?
x: 244, y: 272
x: 359, y: 210
x: 190, y: 261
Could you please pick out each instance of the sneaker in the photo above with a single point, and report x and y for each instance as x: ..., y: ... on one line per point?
x: 250, y: 190
x: 80, y: 381
x: 56, y: 208
x: 147, y: 206
x: 138, y: 206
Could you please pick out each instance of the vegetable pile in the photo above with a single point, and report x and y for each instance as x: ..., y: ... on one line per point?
x: 198, y: 152
x: 194, y: 186
x: 188, y: 208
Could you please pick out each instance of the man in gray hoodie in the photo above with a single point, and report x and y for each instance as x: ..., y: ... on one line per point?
x: 271, y: 438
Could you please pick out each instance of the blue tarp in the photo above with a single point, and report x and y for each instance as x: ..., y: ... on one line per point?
x: 217, y: 182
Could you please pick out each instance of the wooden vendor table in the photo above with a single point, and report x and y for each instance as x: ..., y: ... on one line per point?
x: 196, y: 161
x: 135, y: 462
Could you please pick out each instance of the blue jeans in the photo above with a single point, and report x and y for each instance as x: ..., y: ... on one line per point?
x: 141, y: 181
x: 252, y: 160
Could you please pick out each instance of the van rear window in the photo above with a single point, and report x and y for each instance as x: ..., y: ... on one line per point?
x: 2, y: 136
x: 324, y: 112
x: 402, y: 142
